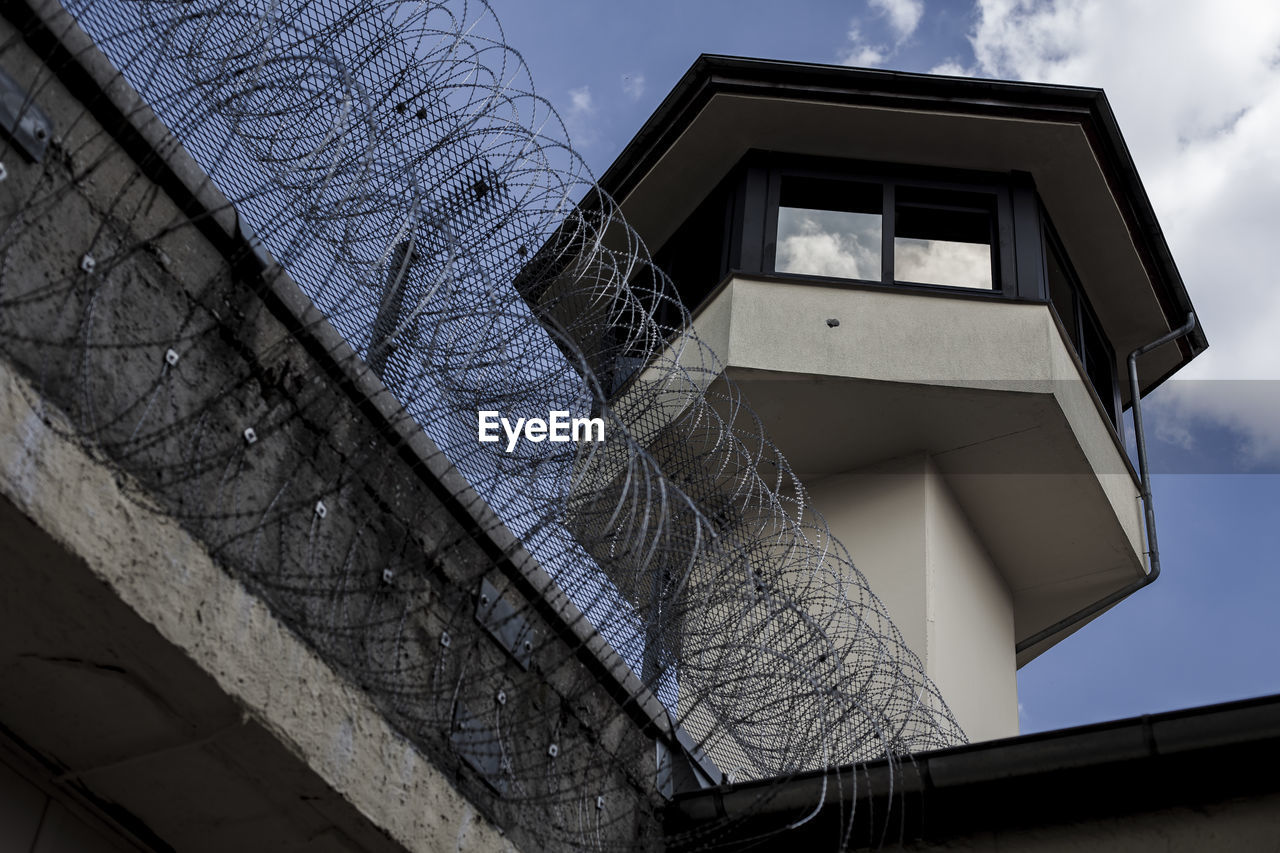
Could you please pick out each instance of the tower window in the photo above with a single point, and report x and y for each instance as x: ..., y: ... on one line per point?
x: 943, y: 238
x: 830, y: 228
x: 883, y: 229
x: 1081, y: 325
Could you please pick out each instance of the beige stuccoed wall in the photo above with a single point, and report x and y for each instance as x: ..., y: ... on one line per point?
x: 907, y: 337
x: 922, y: 559
x: 1095, y: 440
x: 970, y: 619
x: 878, y: 513
x: 901, y: 522
x: 888, y: 335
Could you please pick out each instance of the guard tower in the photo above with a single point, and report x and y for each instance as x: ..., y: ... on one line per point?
x: 927, y: 288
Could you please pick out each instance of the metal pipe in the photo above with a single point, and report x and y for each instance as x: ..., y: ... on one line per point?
x: 1153, y: 547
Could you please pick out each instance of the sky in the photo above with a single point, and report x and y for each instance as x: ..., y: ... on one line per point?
x: 1195, y: 87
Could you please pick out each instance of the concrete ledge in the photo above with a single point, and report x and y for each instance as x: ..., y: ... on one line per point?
x: 170, y: 582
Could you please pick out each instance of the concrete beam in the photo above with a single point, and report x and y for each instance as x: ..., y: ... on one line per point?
x: 151, y: 678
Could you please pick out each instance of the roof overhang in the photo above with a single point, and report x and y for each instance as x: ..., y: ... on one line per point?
x: 1066, y: 138
x: 1181, y: 770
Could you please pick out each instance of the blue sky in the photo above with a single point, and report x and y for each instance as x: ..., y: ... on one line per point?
x: 1196, y: 89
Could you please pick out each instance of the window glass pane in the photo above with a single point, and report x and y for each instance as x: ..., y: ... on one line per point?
x: 829, y: 242
x: 1099, y: 365
x: 1062, y: 292
x: 942, y: 262
x: 942, y: 238
x: 829, y: 228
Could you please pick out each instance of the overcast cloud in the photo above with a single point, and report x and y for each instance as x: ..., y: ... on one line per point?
x: 902, y: 17
x: 1196, y: 89
x: 579, y: 118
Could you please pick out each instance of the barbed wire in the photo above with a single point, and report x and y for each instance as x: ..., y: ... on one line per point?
x: 398, y: 164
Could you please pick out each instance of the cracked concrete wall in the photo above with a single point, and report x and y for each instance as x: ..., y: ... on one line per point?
x: 326, y: 626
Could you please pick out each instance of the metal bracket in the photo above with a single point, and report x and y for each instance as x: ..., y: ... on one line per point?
x: 684, y: 767
x: 477, y: 744
x: 500, y: 618
x: 22, y: 121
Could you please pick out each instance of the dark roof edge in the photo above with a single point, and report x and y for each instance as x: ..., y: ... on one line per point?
x: 1186, y: 756
x: 713, y: 74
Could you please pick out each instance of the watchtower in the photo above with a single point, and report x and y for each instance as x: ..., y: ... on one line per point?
x: 927, y: 288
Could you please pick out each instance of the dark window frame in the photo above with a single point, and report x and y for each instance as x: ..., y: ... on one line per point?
x: 1084, y: 323
x: 1022, y: 238
x: 993, y: 188
x: 950, y: 200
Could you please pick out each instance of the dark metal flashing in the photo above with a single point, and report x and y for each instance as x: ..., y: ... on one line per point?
x: 711, y: 75
x: 1190, y: 757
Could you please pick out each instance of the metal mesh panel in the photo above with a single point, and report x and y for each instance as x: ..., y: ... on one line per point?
x: 395, y: 159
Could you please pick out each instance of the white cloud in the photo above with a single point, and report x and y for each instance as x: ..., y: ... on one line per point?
x: 953, y: 68
x: 1176, y: 431
x: 829, y: 242
x: 579, y: 119
x: 942, y: 262
x: 580, y: 100
x: 903, y: 15
x: 861, y: 52
x: 1195, y: 85
x: 633, y: 85
x: 1250, y: 408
